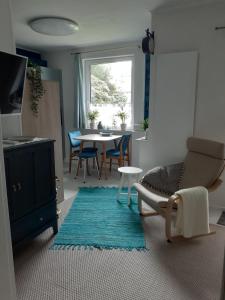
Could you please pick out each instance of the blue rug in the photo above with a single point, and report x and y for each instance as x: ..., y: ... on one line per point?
x: 97, y: 220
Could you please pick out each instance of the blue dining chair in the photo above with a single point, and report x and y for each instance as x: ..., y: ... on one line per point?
x: 85, y: 155
x: 121, y: 152
x: 75, y: 147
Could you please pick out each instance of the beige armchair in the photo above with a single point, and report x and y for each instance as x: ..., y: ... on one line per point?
x: 203, y: 166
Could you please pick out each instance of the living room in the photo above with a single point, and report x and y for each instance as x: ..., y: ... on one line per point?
x: 185, y: 99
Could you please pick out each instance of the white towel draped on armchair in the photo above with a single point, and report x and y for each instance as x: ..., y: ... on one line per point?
x: 192, y: 212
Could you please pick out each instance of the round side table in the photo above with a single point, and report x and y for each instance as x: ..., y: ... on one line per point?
x: 129, y: 172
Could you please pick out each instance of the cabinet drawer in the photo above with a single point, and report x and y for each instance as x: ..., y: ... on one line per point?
x: 32, y: 222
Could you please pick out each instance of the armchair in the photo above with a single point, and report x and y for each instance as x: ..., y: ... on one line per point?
x: 203, y: 166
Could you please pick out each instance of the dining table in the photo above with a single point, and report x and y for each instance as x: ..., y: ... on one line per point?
x: 103, y: 140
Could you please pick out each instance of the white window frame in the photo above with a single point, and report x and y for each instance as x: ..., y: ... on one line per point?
x: 87, y: 62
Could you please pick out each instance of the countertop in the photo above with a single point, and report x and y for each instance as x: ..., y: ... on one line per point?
x: 11, y: 143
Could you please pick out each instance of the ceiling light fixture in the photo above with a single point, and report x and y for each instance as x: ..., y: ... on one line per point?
x: 54, y: 26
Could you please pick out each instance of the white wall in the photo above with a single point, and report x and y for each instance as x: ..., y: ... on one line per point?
x: 65, y: 61
x: 11, y: 125
x: 7, y: 284
x: 172, y: 106
x: 193, y: 29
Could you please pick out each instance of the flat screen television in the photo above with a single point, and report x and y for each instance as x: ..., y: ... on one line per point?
x: 12, y: 79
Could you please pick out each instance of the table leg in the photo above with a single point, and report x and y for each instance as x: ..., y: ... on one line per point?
x: 78, y: 168
x: 103, y: 165
x: 137, y: 180
x: 94, y: 146
x: 97, y: 165
x: 81, y: 149
x: 129, y: 189
x: 120, y: 186
x: 85, y: 167
x: 81, y: 146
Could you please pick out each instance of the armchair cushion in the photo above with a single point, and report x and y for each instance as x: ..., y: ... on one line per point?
x: 206, y: 147
x: 164, y: 179
x: 203, y: 164
x: 200, y: 170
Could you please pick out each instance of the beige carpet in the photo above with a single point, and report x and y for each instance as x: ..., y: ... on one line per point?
x: 185, y: 270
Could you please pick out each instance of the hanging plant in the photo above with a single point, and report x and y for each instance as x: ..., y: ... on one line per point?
x: 37, y: 88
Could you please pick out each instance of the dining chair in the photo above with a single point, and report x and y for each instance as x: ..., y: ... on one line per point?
x: 75, y: 147
x: 121, y: 152
x: 85, y: 155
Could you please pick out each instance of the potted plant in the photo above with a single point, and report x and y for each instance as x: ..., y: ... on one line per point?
x: 37, y: 88
x: 92, y: 117
x: 145, y: 127
x: 123, y: 116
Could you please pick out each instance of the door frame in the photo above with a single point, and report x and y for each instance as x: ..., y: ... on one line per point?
x: 7, y: 286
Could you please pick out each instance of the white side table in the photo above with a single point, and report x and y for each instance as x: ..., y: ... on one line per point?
x: 129, y: 172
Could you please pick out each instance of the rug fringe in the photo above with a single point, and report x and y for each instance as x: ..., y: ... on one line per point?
x: 82, y: 247
x: 102, y: 187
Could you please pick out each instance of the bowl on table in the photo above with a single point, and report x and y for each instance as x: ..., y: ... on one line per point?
x: 105, y: 133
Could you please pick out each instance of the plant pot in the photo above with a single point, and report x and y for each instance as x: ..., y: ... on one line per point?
x: 147, y: 134
x: 123, y: 126
x: 92, y: 125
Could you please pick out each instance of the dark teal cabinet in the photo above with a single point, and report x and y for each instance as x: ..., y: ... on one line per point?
x: 30, y: 180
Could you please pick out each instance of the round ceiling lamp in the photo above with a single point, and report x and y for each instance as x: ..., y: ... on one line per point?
x: 54, y: 26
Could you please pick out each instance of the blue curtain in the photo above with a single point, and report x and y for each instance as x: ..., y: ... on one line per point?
x: 80, y: 104
x: 147, y: 85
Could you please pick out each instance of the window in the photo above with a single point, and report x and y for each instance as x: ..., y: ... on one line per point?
x: 109, y: 85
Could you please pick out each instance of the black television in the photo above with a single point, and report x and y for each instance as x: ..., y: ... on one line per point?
x: 12, y: 79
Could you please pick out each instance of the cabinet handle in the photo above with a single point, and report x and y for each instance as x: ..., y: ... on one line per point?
x: 14, y: 188
x: 58, y: 187
x: 19, y: 186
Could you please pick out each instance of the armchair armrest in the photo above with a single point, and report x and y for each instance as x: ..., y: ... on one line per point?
x: 171, y: 203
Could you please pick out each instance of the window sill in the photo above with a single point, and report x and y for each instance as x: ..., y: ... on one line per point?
x: 142, y: 139
x: 129, y: 130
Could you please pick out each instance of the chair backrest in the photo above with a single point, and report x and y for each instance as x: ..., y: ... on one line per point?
x: 124, y: 143
x: 203, y: 164
x: 73, y: 134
